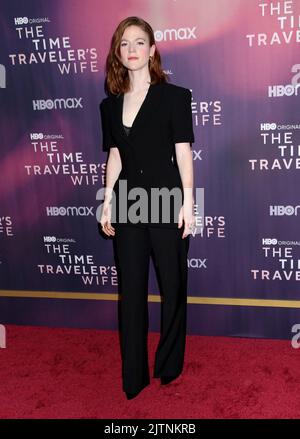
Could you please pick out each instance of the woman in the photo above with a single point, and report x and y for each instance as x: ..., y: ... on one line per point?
x: 147, y: 128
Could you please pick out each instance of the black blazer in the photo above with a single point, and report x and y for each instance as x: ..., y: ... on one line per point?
x: 148, y: 152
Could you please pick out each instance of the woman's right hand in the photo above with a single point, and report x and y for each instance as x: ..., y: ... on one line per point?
x: 105, y: 221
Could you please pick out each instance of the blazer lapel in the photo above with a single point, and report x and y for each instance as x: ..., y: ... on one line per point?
x: 143, y: 114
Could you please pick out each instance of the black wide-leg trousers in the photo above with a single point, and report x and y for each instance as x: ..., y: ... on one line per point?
x: 133, y: 248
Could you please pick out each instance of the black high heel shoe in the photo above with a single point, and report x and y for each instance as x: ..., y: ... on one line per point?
x: 167, y: 379
x: 130, y: 395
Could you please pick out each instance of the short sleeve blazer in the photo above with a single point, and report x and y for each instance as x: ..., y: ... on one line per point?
x: 148, y: 152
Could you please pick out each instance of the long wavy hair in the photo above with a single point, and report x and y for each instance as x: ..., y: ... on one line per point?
x: 117, y: 78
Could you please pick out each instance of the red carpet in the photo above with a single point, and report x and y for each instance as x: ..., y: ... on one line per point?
x: 67, y: 373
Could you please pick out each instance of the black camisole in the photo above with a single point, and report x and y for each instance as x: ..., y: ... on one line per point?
x: 127, y: 129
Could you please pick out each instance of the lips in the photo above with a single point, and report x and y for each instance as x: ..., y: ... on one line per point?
x: 132, y: 58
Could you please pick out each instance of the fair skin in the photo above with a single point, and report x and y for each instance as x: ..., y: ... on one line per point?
x: 135, y: 44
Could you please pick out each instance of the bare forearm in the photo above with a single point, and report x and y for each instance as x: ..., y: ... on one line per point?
x: 184, y: 158
x: 113, y: 169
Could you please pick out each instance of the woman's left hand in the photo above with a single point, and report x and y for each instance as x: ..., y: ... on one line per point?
x: 186, y: 216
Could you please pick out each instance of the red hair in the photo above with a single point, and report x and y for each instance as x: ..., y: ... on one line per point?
x: 117, y: 78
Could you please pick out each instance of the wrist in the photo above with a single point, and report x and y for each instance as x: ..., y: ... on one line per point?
x: 188, y: 194
x: 107, y: 195
x: 188, y: 200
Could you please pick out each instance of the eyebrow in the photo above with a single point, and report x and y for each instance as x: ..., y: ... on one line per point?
x: 140, y: 38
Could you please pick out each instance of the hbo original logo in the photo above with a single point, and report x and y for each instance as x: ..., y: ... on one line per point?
x: 21, y: 20
x: 268, y: 126
x: 49, y: 239
x: 269, y: 241
x: 36, y: 136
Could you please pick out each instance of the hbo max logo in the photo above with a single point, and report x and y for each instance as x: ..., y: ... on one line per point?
x: 183, y: 33
x: 276, y: 91
x: 49, y: 104
x: 284, y: 210
x: 197, y: 263
x: 69, y: 211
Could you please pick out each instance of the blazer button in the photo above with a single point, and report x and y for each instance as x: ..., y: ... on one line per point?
x: 141, y: 171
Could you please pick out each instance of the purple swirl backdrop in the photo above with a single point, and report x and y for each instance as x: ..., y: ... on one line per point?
x: 241, y: 61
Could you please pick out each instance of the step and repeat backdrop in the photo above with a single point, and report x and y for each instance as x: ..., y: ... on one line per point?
x: 240, y: 59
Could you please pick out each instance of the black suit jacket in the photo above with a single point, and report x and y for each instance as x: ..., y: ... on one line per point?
x: 148, y: 152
